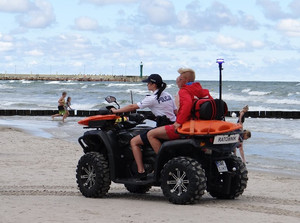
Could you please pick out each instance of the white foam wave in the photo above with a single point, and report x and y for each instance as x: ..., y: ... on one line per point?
x: 25, y: 81
x: 246, y: 90
x: 124, y: 84
x: 259, y: 93
x: 4, y: 86
x: 52, y: 82
x: 86, y: 106
x: 283, y: 101
x: 138, y: 91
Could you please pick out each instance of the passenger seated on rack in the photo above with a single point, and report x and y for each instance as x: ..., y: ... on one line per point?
x: 188, y: 90
x: 162, y: 105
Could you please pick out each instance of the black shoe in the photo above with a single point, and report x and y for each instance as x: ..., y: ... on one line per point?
x: 140, y: 176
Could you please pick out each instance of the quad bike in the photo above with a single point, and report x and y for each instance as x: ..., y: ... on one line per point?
x: 202, y: 160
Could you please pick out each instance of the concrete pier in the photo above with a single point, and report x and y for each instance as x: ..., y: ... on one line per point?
x: 75, y: 77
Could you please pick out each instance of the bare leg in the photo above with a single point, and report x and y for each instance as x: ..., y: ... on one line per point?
x: 242, y: 153
x: 135, y: 143
x: 154, y: 135
x: 56, y: 115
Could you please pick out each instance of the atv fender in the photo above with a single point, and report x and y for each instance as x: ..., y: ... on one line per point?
x: 101, y: 142
x: 174, y: 148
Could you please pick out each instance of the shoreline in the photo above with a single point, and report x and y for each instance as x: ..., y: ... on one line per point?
x: 41, y: 173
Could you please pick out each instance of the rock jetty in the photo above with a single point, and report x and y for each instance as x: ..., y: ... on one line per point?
x: 74, y: 77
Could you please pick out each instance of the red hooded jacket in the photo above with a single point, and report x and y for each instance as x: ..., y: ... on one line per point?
x: 187, y: 94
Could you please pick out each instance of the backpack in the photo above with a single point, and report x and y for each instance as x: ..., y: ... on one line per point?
x: 204, y: 108
x: 208, y: 109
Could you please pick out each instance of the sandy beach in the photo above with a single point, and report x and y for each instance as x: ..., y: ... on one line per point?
x: 38, y: 184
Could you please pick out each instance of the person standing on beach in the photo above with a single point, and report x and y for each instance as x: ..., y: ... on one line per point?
x: 62, y: 110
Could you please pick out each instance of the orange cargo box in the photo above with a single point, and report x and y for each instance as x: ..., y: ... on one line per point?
x: 207, y: 127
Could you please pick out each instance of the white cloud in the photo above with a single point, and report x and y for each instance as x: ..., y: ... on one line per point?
x: 33, y: 62
x: 40, y: 16
x: 6, y: 43
x: 86, y: 23
x: 185, y: 41
x: 158, y: 12
x: 108, y: 2
x: 257, y: 44
x: 34, y: 53
x: 14, y: 5
x: 229, y: 43
x: 272, y: 9
x: 290, y: 27
x: 5, y: 46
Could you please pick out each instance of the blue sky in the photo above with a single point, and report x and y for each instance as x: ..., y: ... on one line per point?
x: 258, y: 39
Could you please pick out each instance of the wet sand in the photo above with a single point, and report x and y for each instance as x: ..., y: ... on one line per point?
x: 38, y: 184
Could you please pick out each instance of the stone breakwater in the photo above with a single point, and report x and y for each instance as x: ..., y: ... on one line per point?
x: 74, y: 77
x: 148, y: 114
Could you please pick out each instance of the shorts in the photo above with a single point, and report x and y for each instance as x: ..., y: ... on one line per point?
x: 171, y: 132
x: 144, y: 138
x: 61, y: 110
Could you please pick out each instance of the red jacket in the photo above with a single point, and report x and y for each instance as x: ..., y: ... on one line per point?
x: 187, y: 94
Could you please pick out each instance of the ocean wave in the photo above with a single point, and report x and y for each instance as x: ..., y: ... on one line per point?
x: 52, y: 82
x: 25, y: 81
x: 124, y: 84
x: 259, y: 93
x: 61, y: 82
x: 4, y: 86
x: 246, y: 90
x: 138, y: 91
x: 283, y: 101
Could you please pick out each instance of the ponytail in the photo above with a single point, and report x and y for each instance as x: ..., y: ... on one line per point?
x: 160, y: 90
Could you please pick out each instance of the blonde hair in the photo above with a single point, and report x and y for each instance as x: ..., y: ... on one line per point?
x: 187, y: 73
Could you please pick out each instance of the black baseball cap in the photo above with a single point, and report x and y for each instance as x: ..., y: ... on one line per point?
x: 154, y: 78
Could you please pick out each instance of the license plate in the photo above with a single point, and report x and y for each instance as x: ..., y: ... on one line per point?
x: 221, y: 165
x: 226, y: 139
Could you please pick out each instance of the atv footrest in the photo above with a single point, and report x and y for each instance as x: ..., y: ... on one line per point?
x: 149, y: 180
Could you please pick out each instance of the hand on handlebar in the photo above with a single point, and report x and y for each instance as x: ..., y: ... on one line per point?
x: 113, y: 110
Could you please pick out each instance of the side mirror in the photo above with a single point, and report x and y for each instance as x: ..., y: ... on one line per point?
x: 110, y: 99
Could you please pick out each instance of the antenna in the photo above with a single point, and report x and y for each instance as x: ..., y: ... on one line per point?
x: 221, y: 108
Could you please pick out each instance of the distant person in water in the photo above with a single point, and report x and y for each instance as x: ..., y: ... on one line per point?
x: 68, y: 104
x: 242, y: 115
x: 62, y: 110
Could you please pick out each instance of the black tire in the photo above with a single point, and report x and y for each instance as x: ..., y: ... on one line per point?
x: 93, y: 178
x: 183, y: 180
x: 238, y: 182
x: 137, y: 189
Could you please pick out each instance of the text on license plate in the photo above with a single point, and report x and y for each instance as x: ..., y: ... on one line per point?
x: 221, y: 165
x: 226, y: 139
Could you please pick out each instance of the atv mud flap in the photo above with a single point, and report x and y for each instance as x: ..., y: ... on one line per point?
x: 227, y: 176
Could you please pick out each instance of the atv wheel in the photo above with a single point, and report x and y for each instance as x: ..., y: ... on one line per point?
x: 183, y: 180
x: 92, y: 175
x: 137, y: 189
x: 238, y: 182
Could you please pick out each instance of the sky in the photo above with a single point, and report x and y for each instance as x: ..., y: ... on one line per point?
x: 259, y: 40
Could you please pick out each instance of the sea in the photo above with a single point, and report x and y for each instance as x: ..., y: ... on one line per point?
x: 273, y: 147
